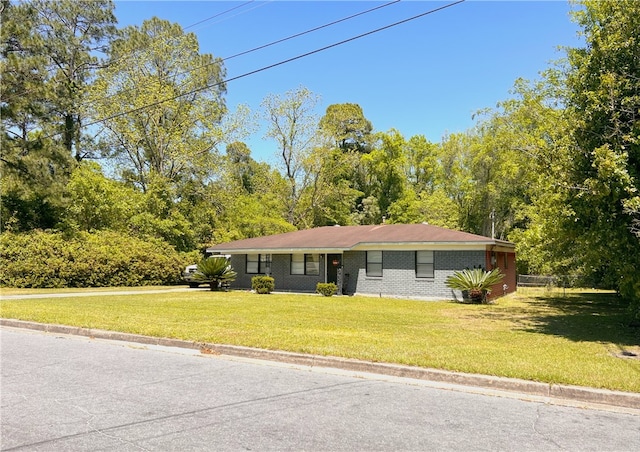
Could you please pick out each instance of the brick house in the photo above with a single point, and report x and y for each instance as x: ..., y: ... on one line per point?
x: 391, y: 260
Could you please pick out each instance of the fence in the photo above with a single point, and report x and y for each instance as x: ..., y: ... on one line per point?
x: 550, y: 282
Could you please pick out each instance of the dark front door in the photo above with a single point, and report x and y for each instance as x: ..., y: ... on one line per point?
x: 334, y: 262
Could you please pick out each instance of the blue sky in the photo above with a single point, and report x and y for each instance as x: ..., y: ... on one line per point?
x: 427, y: 76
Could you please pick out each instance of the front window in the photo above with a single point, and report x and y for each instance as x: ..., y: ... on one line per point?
x: 374, y: 263
x: 424, y: 264
x: 312, y: 264
x: 259, y: 264
x: 305, y: 264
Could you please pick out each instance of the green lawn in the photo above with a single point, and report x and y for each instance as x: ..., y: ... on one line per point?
x: 568, y: 338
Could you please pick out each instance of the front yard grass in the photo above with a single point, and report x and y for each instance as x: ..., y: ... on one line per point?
x: 570, y: 338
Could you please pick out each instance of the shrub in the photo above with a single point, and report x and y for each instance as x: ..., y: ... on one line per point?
x: 477, y: 282
x: 215, y: 270
x: 263, y: 284
x: 100, y: 259
x: 326, y: 289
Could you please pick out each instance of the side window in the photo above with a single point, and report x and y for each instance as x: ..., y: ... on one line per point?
x: 424, y: 264
x: 374, y: 263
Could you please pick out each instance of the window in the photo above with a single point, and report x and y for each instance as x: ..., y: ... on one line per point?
x: 259, y: 264
x: 312, y: 264
x: 506, y: 260
x: 305, y: 264
x: 374, y: 263
x: 424, y: 264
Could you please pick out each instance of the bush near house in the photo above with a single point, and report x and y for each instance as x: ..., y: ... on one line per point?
x: 100, y: 259
x: 326, y: 289
x: 263, y: 284
x: 215, y: 270
x: 476, y: 282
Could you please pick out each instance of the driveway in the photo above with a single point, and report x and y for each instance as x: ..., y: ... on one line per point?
x: 64, y: 392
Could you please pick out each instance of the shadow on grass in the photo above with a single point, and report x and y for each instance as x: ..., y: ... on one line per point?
x: 580, y: 317
x: 588, y: 316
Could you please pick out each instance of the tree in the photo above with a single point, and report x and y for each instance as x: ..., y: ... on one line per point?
x: 161, y: 102
x: 293, y: 125
x: 603, y: 183
x: 385, y: 169
x: 49, y: 53
x: 71, y: 34
x: 347, y: 128
x: 96, y: 202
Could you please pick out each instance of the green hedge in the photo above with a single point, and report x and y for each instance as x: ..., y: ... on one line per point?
x: 263, y: 284
x: 98, y: 259
x: 327, y: 289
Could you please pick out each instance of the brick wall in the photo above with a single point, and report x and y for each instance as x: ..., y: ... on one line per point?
x: 281, y: 273
x: 398, y: 274
x: 399, y: 277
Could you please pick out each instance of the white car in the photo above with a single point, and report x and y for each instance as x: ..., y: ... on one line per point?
x: 188, y: 275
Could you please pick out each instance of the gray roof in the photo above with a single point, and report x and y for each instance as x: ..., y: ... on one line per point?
x: 344, y: 238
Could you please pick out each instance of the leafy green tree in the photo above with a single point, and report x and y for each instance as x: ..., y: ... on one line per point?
x: 72, y: 34
x: 347, y: 128
x: 49, y: 53
x: 292, y: 124
x: 161, y: 102
x: 96, y: 202
x: 385, y: 169
x: 603, y: 183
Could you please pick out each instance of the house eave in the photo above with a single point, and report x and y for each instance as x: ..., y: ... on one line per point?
x: 376, y: 246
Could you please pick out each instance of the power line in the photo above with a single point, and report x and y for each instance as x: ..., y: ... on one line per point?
x: 218, y: 15
x: 217, y: 61
x: 264, y: 68
x: 311, y: 30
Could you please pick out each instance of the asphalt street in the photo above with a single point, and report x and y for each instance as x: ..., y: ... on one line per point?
x: 73, y: 393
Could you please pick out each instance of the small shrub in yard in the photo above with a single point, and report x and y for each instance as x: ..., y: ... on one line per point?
x: 326, y: 289
x: 263, y: 284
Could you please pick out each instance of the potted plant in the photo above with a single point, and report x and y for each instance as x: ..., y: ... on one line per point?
x: 477, y: 282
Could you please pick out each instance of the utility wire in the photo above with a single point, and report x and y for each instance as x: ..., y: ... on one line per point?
x: 140, y: 52
x: 217, y: 61
x: 264, y: 68
x: 218, y: 15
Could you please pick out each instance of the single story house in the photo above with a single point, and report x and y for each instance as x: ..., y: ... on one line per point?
x: 396, y: 260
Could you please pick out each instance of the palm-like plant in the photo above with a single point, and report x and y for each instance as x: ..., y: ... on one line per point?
x: 477, y: 282
x: 215, y: 270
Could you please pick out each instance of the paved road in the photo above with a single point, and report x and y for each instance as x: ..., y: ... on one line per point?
x: 74, y: 393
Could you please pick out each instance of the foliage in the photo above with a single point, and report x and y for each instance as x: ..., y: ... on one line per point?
x: 263, y: 284
x: 346, y: 127
x: 326, y: 289
x: 104, y: 258
x: 96, y: 202
x: 215, y: 270
x: 581, y: 216
x: 159, y: 120
x: 293, y: 126
x: 477, y: 282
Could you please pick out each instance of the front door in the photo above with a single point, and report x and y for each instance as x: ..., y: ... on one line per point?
x: 334, y: 262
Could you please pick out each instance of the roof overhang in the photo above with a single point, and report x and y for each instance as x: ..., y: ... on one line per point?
x: 404, y: 246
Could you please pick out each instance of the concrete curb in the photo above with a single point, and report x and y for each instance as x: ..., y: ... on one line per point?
x: 576, y: 393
